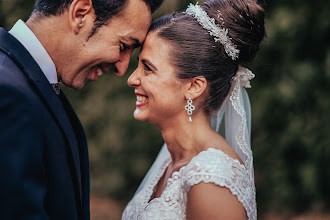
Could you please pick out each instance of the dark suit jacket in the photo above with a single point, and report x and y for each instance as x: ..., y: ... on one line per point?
x: 44, y: 171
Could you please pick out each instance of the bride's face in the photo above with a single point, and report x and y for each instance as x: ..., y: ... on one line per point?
x: 159, y: 92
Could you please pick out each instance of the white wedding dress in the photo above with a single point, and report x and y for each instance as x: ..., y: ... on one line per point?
x: 211, y: 166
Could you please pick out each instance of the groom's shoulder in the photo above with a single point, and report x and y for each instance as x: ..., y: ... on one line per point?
x: 5, y: 37
x: 3, y: 30
x: 10, y: 72
x: 13, y: 82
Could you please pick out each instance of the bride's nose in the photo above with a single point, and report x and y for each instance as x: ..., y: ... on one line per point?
x: 134, y: 79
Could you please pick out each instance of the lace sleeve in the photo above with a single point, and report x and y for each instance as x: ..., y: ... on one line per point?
x: 214, y: 166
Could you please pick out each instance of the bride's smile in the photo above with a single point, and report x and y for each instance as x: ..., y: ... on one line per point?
x: 141, y: 100
x: 159, y: 93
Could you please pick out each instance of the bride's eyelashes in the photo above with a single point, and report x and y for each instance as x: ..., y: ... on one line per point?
x: 146, y: 67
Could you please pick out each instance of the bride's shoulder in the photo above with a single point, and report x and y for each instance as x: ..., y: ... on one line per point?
x: 217, y: 202
x: 213, y: 161
x: 214, y: 166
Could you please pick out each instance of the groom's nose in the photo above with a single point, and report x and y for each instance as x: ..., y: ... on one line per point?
x: 122, y: 64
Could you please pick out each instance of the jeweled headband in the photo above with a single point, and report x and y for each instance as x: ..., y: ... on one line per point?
x: 219, y: 34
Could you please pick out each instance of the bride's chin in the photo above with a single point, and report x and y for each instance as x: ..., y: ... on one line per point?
x: 138, y: 116
x: 138, y: 119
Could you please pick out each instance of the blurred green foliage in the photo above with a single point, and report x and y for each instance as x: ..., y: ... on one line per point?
x: 290, y: 111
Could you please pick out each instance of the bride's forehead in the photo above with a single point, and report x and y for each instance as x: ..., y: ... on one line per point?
x: 153, y: 38
x: 156, y: 47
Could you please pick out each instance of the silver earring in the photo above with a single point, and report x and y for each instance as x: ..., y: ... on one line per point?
x: 190, y: 108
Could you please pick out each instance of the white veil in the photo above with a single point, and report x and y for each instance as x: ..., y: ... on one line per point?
x: 232, y: 121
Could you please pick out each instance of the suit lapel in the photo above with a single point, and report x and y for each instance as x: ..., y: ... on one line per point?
x: 83, y: 151
x: 26, y: 63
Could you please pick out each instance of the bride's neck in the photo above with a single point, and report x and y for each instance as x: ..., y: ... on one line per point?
x: 185, y: 140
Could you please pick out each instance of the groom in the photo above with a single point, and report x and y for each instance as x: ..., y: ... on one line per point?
x: 44, y: 167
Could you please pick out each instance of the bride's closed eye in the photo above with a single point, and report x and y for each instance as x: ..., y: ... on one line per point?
x: 146, y: 67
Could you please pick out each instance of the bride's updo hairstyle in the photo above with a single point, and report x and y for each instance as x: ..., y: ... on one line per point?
x: 195, y: 52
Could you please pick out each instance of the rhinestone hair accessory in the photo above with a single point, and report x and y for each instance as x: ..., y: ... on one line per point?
x: 219, y: 34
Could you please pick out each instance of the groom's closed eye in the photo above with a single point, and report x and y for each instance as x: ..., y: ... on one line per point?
x: 131, y: 43
x: 127, y: 46
x: 137, y: 43
x: 124, y: 46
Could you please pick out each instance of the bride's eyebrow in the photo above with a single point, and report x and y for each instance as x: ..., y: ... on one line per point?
x: 147, y: 62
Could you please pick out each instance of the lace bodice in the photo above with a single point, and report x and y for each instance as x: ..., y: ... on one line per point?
x: 211, y: 166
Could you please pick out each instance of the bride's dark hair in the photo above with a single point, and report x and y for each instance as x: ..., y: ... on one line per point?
x: 195, y: 53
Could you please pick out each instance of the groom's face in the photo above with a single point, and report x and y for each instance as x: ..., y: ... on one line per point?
x: 109, y: 48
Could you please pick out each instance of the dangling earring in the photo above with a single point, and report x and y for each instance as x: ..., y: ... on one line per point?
x: 190, y: 108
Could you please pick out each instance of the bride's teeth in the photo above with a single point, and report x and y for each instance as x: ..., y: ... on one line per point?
x: 142, y: 98
x: 99, y: 71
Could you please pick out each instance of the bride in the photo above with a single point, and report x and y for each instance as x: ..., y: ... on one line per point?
x: 190, y: 83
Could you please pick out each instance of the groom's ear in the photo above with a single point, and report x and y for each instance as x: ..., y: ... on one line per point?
x: 196, y: 87
x: 79, y: 13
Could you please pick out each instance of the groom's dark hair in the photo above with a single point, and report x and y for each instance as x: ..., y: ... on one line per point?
x: 104, y: 9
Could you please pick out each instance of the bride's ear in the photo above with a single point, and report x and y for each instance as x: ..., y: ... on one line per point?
x: 195, y: 87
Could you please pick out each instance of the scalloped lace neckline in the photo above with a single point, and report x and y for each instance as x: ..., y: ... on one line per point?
x: 154, y: 182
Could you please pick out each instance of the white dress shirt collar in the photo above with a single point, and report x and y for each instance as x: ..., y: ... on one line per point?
x: 31, y: 43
